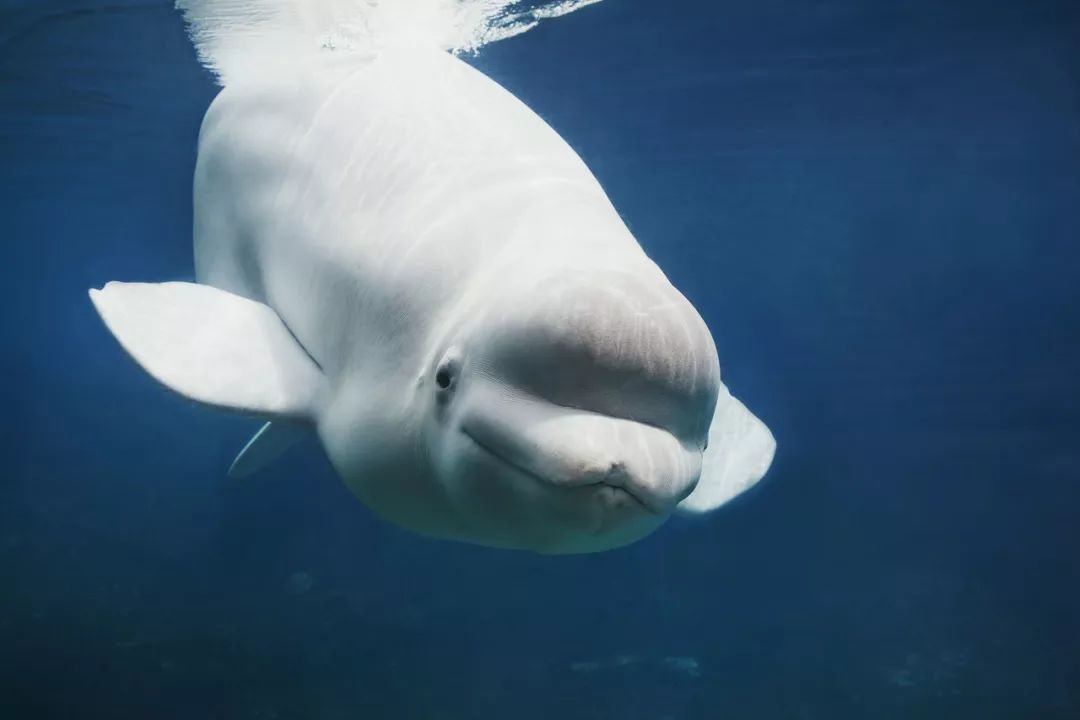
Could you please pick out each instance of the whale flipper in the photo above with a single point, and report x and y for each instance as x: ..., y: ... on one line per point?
x: 212, y: 347
x: 267, y: 445
x: 741, y: 448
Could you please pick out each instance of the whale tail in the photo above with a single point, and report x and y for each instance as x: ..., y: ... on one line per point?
x: 239, y: 37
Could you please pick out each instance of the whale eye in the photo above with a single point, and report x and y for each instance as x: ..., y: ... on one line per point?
x: 446, y: 374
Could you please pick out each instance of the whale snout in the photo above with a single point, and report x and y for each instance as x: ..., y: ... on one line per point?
x: 566, y: 449
x: 615, y: 483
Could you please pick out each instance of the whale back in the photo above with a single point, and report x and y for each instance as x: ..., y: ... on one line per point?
x: 386, y: 191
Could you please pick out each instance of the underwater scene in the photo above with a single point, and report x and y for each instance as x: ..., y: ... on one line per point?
x: 566, y: 359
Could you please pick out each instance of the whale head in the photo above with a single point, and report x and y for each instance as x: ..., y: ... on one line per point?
x: 571, y: 413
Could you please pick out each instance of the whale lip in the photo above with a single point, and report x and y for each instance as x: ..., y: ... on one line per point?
x: 618, y: 489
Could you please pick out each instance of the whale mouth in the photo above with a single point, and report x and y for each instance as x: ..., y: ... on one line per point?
x: 614, y: 490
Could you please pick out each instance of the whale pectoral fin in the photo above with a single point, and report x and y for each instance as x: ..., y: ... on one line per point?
x: 212, y: 347
x: 740, y: 451
x: 272, y: 440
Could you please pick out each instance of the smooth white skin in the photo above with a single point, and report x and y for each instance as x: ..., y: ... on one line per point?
x: 414, y: 225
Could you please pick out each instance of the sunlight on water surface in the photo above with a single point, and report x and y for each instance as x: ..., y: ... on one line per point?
x: 234, y: 34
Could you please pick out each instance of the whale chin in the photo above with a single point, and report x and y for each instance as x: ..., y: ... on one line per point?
x: 564, y: 481
x: 590, y: 516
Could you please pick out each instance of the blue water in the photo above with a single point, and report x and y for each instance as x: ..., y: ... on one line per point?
x: 875, y: 205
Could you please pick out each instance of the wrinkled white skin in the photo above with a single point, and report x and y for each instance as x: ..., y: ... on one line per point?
x: 415, y: 225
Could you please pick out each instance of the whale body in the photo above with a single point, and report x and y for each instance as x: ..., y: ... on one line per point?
x: 398, y: 253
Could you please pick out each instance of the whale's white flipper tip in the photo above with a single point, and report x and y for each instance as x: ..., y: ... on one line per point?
x: 212, y: 347
x: 741, y: 449
x: 267, y: 445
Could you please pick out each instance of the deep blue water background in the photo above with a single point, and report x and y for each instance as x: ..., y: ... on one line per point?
x: 875, y: 205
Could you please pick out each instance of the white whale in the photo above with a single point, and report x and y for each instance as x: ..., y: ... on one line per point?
x: 392, y: 249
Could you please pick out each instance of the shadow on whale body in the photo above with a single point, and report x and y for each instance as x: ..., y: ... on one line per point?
x: 495, y: 363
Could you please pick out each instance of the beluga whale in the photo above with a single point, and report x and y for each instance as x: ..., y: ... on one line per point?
x: 393, y: 251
